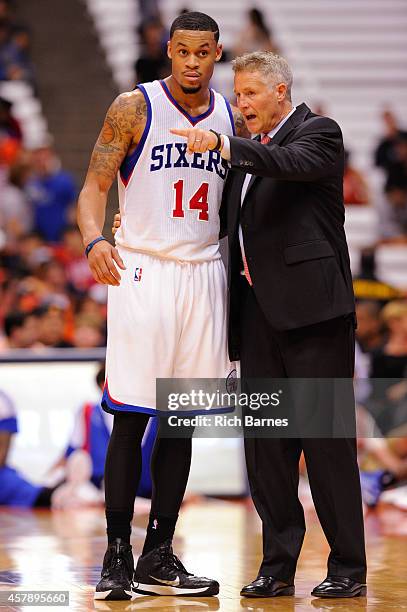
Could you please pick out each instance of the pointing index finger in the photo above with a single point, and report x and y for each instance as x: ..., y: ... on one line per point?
x: 183, y: 133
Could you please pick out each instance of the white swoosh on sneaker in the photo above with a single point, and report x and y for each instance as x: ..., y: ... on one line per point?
x: 169, y: 582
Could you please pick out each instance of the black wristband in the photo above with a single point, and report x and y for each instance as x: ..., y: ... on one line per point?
x: 219, y: 143
x: 92, y: 244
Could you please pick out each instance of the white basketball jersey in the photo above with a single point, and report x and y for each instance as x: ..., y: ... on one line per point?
x: 170, y: 199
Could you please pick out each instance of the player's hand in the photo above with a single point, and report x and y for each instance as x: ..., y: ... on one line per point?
x: 199, y: 141
x: 103, y: 261
x: 117, y: 221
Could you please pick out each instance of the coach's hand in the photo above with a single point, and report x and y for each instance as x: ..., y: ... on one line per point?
x: 117, y: 221
x: 199, y: 141
x: 102, y: 261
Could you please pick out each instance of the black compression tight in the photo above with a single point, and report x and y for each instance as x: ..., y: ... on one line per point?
x: 170, y: 465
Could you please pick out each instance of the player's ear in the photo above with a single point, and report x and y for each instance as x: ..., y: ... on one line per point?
x: 169, y: 52
x: 219, y: 51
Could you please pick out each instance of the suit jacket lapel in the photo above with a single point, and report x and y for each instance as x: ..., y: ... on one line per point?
x: 296, y: 118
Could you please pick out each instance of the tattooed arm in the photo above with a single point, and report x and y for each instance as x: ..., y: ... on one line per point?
x: 122, y: 130
x: 240, y: 126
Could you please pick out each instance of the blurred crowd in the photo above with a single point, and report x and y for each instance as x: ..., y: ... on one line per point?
x: 48, y: 297
x: 15, y: 59
x: 153, y: 62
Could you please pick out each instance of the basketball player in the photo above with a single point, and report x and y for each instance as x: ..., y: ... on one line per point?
x: 166, y: 308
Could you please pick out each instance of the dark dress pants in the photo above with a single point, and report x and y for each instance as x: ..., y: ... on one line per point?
x: 322, y: 350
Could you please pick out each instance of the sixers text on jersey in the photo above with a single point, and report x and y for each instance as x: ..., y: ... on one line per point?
x: 174, y: 155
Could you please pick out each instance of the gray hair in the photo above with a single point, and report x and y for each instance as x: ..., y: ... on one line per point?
x: 267, y: 63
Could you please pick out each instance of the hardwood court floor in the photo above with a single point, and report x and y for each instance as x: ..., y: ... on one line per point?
x: 63, y: 551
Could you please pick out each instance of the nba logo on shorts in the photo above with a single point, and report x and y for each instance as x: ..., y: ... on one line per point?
x: 137, y: 274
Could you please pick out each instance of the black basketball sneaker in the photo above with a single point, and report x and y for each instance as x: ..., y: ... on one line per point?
x: 160, y: 572
x: 117, y: 573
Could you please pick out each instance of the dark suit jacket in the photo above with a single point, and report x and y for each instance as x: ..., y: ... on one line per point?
x: 292, y: 221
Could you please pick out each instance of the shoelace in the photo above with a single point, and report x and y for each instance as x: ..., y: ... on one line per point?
x: 119, y: 563
x: 167, y: 555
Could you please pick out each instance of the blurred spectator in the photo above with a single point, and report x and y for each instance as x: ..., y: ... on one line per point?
x: 88, y: 332
x: 383, y: 462
x: 391, y: 360
x: 386, y: 154
x: 9, y: 66
x: 8, y: 123
x: 392, y: 213
x: 391, y: 155
x: 389, y: 369
x: 10, y: 134
x: 355, y: 184
x: 52, y: 193
x: 367, y: 286
x: 52, y: 327
x: 370, y: 336
x: 149, y: 8
x: 397, y: 169
x: 355, y: 187
x: 4, y: 47
x: 93, y: 306
x: 32, y: 251
x: 15, y: 211
x: 71, y: 254
x: 370, y: 332
x: 20, y: 50
x: 21, y: 329
x: 52, y: 273
x: 255, y: 36
x: 15, y: 61
x: 153, y: 62
x: 4, y: 10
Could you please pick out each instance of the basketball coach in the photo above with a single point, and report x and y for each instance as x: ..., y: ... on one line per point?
x: 291, y: 313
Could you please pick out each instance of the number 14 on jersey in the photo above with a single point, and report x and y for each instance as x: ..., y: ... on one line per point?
x: 199, y: 201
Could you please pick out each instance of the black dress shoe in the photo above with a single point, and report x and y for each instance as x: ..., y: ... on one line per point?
x: 267, y: 586
x: 337, y: 586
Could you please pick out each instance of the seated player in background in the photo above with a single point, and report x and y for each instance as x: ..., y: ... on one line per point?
x: 91, y: 434
x: 15, y: 490
x: 382, y: 460
x: 76, y: 480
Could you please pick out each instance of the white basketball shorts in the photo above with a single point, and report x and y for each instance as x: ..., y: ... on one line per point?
x: 167, y: 319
